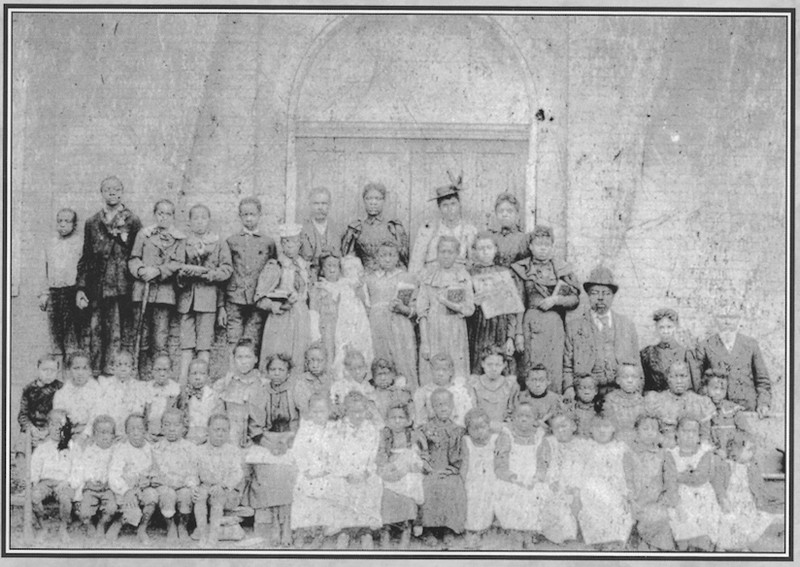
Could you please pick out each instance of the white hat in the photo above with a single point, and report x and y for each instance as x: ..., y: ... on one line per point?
x: 289, y: 230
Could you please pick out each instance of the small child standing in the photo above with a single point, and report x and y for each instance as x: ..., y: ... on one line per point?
x: 544, y: 402
x: 337, y: 305
x: 743, y: 522
x: 498, y: 330
x: 623, y: 406
x: 492, y: 391
x: 282, y: 292
x: 729, y: 416
x: 79, y: 396
x: 121, y: 394
x: 157, y: 254
x: 198, y: 401
x: 392, y: 297
x: 668, y: 406
x: 445, y: 299
x: 480, y: 481
x: 400, y: 467
x: 584, y: 406
x: 445, y: 506
x: 242, y: 392
x: 442, y: 377
x: 89, y: 477
x: 689, y: 471
x: 37, y: 401
x: 130, y: 475
x: 605, y: 516
x: 250, y: 251
x: 310, y: 507
x: 61, y: 256
x: 174, y: 474
x: 273, y: 477
x: 207, y: 265
x: 51, y: 464
x: 389, y: 389
x: 161, y: 393
x: 521, y: 472
x: 220, y: 473
x: 645, y: 462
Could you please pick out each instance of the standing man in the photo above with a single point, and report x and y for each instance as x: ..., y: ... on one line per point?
x: 601, y: 339
x: 320, y: 235
x: 104, y: 283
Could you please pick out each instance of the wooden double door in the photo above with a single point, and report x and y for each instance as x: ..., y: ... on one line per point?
x: 410, y: 168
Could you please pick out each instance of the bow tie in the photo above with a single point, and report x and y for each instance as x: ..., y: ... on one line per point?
x: 246, y: 232
x: 194, y: 392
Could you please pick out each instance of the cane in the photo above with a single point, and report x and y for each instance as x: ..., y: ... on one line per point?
x: 27, y: 506
x: 140, y: 326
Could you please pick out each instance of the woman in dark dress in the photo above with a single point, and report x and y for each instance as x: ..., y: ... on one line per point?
x: 363, y: 237
x: 512, y: 243
x: 656, y: 359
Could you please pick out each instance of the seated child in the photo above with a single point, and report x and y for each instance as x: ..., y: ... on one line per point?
x: 174, y: 474
x: 130, y: 475
x: 689, y: 471
x: 389, y: 388
x: 122, y: 394
x: 492, y: 391
x: 728, y: 416
x: 51, y: 463
x: 521, y: 472
x: 161, y: 393
x: 564, y: 454
x: 315, y: 380
x: 392, y: 292
x: 624, y: 405
x: 37, y: 401
x: 443, y: 376
x: 354, y: 379
x: 273, y: 477
x: 79, y: 396
x: 480, y: 444
x: 198, y: 401
x: 89, y: 478
x: 584, y: 406
x: 400, y: 467
x: 445, y: 506
x: 744, y: 520
x: 242, y: 392
x: 645, y: 466
x: 310, y: 452
x: 355, y: 487
x: 220, y: 475
x: 543, y: 401
x: 605, y: 517
x: 668, y: 406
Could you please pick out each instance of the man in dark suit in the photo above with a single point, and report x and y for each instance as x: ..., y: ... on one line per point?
x: 103, y: 282
x: 739, y: 356
x: 321, y: 236
x: 600, y: 339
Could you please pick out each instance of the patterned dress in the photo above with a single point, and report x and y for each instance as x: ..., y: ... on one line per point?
x: 400, y: 497
x: 623, y: 409
x: 544, y: 330
x: 565, y: 471
x: 485, y: 332
x: 698, y: 512
x: 480, y: 483
x: 311, y: 506
x: 496, y: 398
x: 393, y: 333
x: 364, y: 238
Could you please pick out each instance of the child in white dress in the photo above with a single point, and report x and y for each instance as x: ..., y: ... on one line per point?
x: 688, y: 473
x: 480, y: 444
x: 521, y: 490
x: 743, y: 522
x: 605, y: 516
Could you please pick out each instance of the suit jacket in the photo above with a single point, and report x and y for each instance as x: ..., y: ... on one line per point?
x: 249, y: 255
x: 581, y: 355
x: 748, y: 380
x: 313, y: 245
x: 198, y: 294
x: 103, y: 265
x: 163, y: 249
